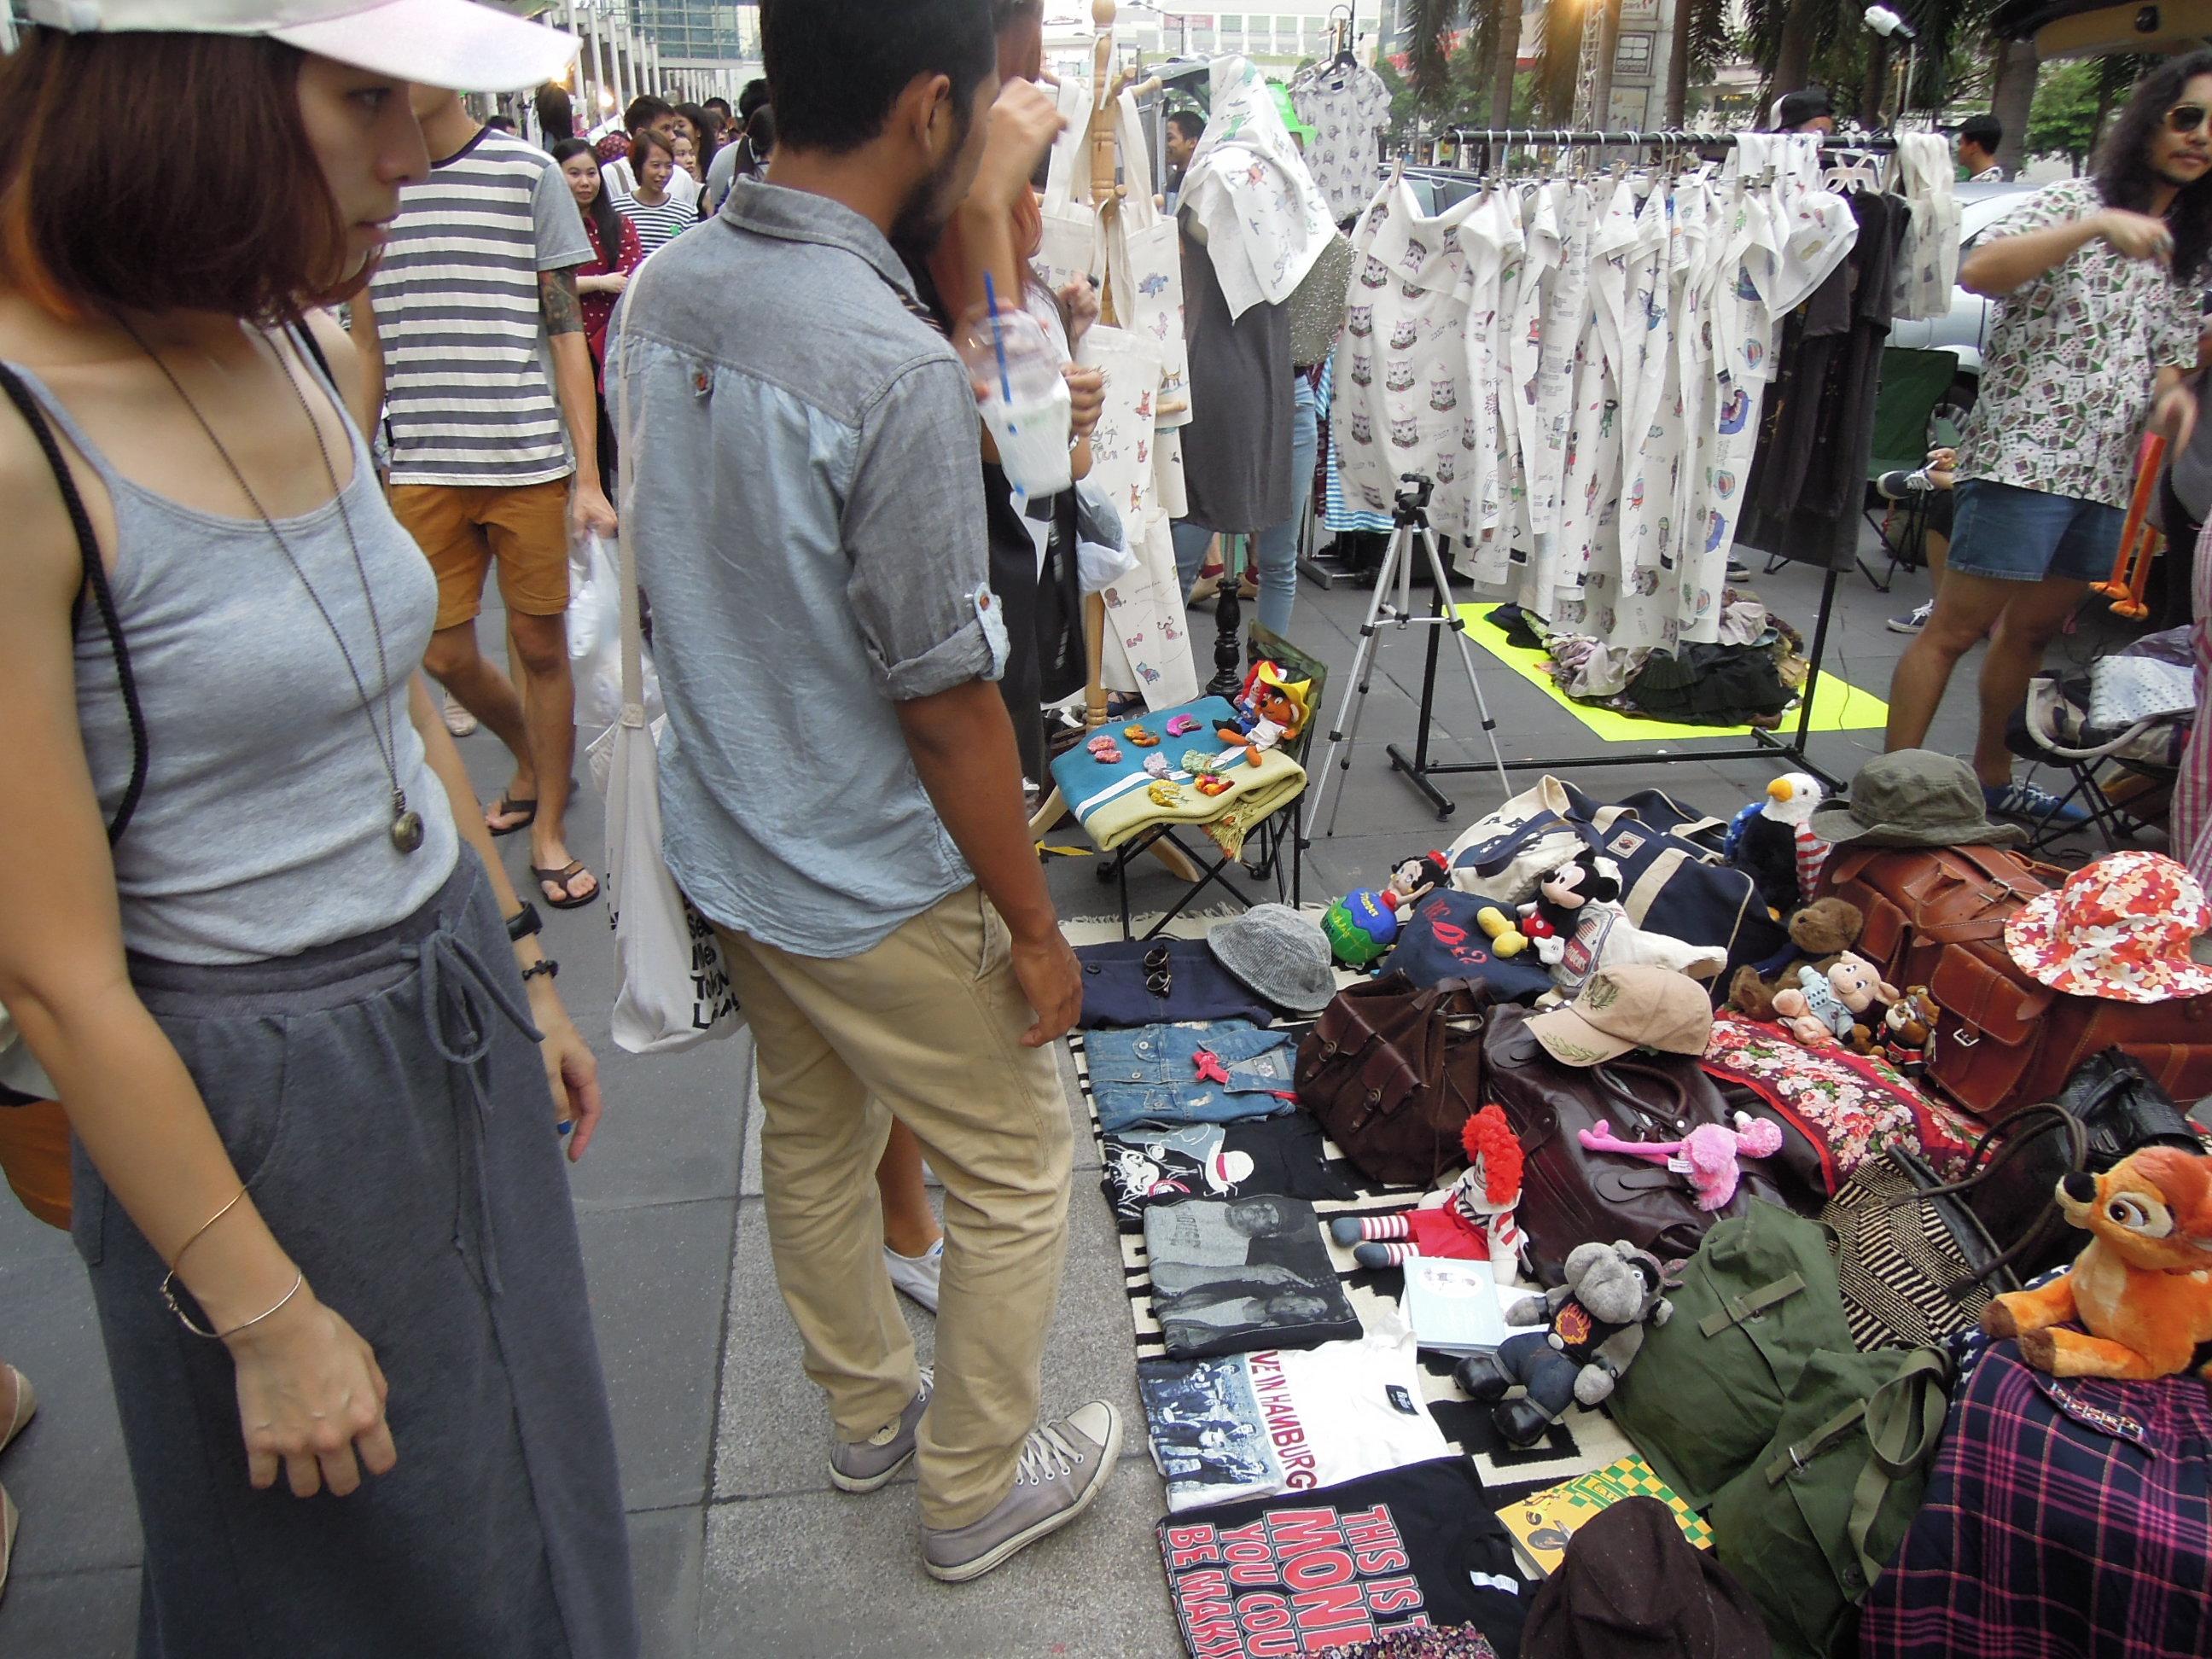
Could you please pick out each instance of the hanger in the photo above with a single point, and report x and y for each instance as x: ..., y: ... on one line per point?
x: 1342, y: 58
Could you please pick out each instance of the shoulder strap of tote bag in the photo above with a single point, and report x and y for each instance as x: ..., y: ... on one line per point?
x: 1998, y: 1148
x: 95, y: 581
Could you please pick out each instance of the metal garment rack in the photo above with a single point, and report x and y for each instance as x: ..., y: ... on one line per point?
x: 1416, y: 768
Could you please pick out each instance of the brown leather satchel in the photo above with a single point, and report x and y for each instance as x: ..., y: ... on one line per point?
x: 1935, y: 916
x: 1394, y: 1072
x: 1570, y: 1196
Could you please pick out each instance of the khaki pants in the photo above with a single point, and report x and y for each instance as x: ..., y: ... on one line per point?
x: 926, y: 1027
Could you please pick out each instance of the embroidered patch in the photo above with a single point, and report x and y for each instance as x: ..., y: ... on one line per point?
x: 1625, y: 844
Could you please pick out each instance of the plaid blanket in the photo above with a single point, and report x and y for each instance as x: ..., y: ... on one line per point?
x: 2067, y: 1518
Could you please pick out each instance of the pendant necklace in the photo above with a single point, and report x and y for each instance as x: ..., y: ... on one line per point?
x: 406, y: 823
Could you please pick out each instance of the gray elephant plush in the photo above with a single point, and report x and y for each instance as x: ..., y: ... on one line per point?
x: 1594, y: 1328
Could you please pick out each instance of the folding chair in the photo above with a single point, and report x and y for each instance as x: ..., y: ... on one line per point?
x: 2052, y: 728
x: 1211, y: 864
x: 1913, y: 383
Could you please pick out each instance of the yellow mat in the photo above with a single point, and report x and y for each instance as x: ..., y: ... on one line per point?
x: 1838, y: 705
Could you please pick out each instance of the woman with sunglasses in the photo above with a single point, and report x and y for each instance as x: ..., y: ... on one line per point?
x: 301, y: 1031
x: 2098, y: 282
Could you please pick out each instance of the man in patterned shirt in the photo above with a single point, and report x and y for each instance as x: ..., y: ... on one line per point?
x: 2097, y: 281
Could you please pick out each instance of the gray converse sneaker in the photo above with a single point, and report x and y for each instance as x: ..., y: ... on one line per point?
x: 868, y: 1465
x: 1063, y: 1466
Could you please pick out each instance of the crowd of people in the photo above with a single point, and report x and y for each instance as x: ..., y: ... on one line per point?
x: 310, y: 1045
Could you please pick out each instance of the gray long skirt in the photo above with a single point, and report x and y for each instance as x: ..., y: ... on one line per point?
x: 385, y: 1099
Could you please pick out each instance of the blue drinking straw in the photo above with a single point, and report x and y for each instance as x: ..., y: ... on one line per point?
x: 998, y: 337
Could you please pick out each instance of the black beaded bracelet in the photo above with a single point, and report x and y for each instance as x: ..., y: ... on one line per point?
x: 545, y: 965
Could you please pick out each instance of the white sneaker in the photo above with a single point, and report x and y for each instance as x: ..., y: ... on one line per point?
x: 915, y: 1276
x: 459, y: 721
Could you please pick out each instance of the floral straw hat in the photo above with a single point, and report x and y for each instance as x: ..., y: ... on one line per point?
x: 2120, y: 928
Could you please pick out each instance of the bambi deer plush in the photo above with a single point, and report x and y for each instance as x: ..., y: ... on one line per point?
x: 2144, y: 1287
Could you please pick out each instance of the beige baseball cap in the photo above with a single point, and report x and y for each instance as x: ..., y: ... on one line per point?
x: 1631, y: 1006
x: 457, y: 43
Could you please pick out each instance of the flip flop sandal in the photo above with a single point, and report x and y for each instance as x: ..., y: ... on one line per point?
x: 528, y: 808
x: 27, y: 1407
x: 560, y: 878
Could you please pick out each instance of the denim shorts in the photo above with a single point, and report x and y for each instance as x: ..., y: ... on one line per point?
x: 2014, y: 535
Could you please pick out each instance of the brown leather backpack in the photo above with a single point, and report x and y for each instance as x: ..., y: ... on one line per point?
x: 1935, y: 916
x: 1393, y: 1072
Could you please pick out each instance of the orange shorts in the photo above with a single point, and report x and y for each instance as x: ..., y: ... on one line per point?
x: 462, y: 529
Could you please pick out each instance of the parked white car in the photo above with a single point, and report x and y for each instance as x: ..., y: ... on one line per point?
x: 1964, y: 329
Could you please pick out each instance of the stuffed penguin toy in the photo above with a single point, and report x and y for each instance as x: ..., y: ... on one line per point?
x: 1772, y: 841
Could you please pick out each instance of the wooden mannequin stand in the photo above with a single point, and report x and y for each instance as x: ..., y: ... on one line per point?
x: 1236, y: 558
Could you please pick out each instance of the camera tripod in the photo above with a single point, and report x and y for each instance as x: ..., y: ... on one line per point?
x: 1410, y: 521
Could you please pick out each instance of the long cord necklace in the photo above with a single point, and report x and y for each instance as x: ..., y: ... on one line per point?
x: 406, y: 823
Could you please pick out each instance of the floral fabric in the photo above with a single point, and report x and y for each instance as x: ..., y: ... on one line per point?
x: 1850, y: 1106
x: 2120, y: 928
x: 2067, y: 376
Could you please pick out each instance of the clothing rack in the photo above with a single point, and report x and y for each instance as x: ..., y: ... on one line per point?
x: 1417, y: 767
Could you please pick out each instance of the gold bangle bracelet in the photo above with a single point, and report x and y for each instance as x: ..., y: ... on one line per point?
x: 175, y: 1260
x: 298, y: 1278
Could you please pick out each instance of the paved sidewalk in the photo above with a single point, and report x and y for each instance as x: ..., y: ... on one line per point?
x: 741, y: 1547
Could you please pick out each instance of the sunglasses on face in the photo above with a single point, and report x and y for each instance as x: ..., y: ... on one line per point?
x: 2183, y: 119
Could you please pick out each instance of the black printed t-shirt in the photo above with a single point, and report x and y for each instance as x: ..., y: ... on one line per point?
x: 1216, y: 1160
x: 1305, y: 1573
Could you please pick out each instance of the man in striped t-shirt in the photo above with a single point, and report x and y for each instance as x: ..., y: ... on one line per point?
x: 488, y: 397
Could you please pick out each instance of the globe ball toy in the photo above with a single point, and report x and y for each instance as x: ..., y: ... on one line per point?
x: 1361, y: 927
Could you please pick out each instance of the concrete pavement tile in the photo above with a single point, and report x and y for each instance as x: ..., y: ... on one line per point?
x: 673, y: 1127
x: 659, y: 1280
x: 772, y: 1422
x: 822, y: 1574
x: 83, y: 1615
x: 667, y: 1552
x: 66, y: 1472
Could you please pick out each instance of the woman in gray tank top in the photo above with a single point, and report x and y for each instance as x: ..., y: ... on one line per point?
x: 318, y: 1184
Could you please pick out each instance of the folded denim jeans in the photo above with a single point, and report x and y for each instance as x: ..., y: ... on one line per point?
x: 1223, y: 1072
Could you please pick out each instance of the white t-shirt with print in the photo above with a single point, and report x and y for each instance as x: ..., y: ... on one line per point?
x: 1346, y: 108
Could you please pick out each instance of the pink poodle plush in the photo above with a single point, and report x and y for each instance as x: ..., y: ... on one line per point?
x: 1710, y: 1151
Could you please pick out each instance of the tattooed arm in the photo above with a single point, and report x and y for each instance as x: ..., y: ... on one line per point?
x: 588, y: 507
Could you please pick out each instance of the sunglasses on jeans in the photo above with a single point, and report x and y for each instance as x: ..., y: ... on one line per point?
x: 2184, y: 120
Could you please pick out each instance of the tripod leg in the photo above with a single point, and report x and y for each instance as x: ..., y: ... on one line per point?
x: 1452, y: 620
x: 1362, y: 667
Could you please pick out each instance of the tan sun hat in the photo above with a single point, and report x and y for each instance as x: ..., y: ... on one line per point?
x: 455, y: 44
x: 1635, y: 1006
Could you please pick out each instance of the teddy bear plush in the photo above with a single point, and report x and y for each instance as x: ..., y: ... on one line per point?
x: 1818, y: 933
x: 1593, y: 1331
x: 2143, y: 1285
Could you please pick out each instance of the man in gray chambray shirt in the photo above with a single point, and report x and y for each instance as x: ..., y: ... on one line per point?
x: 839, y: 783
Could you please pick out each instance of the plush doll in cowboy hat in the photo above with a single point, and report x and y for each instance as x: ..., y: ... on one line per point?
x: 1271, y: 710
x: 1594, y: 1329
x: 1475, y: 1221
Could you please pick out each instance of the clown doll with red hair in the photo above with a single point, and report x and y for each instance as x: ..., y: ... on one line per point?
x: 1475, y: 1220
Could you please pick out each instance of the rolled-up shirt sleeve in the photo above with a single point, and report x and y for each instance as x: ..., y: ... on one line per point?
x: 915, y: 531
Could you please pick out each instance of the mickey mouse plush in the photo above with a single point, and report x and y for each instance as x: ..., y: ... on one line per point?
x: 1578, y: 925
